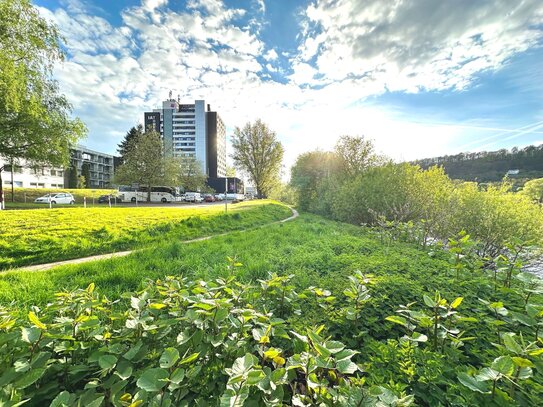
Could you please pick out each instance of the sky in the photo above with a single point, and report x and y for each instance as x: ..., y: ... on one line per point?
x: 420, y: 78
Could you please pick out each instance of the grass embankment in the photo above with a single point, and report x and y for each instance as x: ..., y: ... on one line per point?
x: 419, y: 358
x: 22, y: 195
x: 39, y: 236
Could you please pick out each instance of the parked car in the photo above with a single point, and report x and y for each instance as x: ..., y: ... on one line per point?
x: 193, y: 197
x: 58, y: 198
x: 107, y: 198
x: 209, y: 198
x: 219, y: 197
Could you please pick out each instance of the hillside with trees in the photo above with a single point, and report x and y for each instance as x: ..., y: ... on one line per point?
x: 490, y: 166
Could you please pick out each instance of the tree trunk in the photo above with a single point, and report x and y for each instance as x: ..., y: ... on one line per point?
x: 12, y: 183
x: 149, y: 193
x: 1, y: 188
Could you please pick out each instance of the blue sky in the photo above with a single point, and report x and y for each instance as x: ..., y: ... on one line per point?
x: 420, y: 78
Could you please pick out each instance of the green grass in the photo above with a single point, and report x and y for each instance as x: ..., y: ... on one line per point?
x: 42, y: 236
x: 323, y: 253
x: 317, y: 251
x: 22, y: 195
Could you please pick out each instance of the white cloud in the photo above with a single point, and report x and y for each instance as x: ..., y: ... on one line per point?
x: 350, y: 50
x: 415, y: 45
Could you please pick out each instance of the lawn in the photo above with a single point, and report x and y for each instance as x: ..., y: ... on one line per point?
x: 42, y: 236
x: 481, y: 324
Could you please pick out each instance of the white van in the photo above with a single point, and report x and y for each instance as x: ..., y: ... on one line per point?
x: 193, y: 197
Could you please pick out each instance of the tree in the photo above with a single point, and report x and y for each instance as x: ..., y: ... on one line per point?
x: 72, y: 176
x: 81, y: 182
x: 533, y: 189
x: 85, y: 173
x: 35, y: 122
x: 259, y: 154
x: 145, y: 164
x: 356, y: 154
x: 191, y: 177
x: 230, y: 172
x: 309, y: 174
x: 124, y: 146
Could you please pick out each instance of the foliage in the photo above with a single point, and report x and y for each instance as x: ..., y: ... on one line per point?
x: 130, y: 137
x: 35, y: 122
x: 85, y: 173
x: 533, y: 189
x: 42, y: 236
x: 191, y: 176
x: 356, y: 155
x: 258, y: 153
x: 310, y: 332
x: 32, y: 193
x: 428, y: 199
x: 490, y: 166
x: 145, y: 164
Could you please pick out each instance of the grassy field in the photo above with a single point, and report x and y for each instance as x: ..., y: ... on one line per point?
x: 320, y: 256
x: 42, y: 236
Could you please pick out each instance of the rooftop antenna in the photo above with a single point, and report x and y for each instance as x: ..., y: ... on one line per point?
x: 170, y: 94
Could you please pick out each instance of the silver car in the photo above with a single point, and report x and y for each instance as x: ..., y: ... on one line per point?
x: 58, y: 198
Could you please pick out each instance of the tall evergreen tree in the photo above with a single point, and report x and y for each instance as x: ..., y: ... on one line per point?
x: 85, y: 173
x: 72, y: 177
x: 124, y: 146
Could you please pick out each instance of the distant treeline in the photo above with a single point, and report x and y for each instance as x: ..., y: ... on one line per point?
x: 490, y: 166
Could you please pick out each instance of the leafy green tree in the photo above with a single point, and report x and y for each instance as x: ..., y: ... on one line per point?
x: 309, y: 173
x: 258, y: 152
x: 191, y: 176
x: 85, y: 173
x: 534, y: 190
x: 35, y: 122
x: 356, y: 155
x: 146, y: 165
x: 81, y: 182
x: 124, y: 146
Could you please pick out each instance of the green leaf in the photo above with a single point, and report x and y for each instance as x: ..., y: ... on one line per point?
x: 29, y: 378
x: 346, y: 366
x: 36, y: 321
x: 511, y: 344
x: 255, y: 376
x: 521, y: 362
x: 397, y: 320
x: 473, y: 384
x: 504, y: 365
x: 153, y: 379
x: 107, y: 361
x: 178, y: 375
x: 190, y: 358
x: 169, y: 357
x: 124, y: 369
x: 97, y: 402
x: 457, y: 302
x: 30, y: 335
x: 334, y: 346
x: 487, y: 374
x: 62, y: 399
x: 429, y: 301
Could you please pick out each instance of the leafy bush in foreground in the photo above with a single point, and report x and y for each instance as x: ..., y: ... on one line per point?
x: 176, y: 343
x: 181, y: 343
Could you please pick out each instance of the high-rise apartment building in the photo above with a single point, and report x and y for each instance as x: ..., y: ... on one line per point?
x: 191, y: 130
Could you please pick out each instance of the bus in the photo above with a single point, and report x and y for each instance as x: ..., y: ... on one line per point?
x: 158, y: 194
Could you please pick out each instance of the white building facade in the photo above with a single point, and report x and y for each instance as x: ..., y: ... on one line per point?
x: 23, y: 175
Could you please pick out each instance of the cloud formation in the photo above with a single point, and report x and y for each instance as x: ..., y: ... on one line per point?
x: 347, y: 51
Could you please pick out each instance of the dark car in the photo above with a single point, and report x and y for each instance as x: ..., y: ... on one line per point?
x: 107, y: 198
x: 209, y: 198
